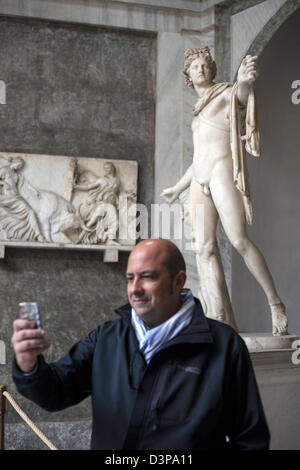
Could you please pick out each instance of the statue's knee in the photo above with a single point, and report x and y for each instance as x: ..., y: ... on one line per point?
x: 241, y: 245
x: 207, y: 250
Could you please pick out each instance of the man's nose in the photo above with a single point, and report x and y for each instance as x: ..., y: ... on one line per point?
x: 136, y: 286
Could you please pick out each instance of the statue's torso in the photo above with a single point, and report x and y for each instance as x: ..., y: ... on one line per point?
x: 211, y: 138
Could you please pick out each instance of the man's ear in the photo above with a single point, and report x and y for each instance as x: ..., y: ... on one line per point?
x: 179, y: 281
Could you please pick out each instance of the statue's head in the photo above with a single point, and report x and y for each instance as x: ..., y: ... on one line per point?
x: 190, y: 55
x: 109, y: 169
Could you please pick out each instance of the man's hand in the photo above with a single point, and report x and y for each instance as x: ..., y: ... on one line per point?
x: 28, y: 342
x: 248, y: 71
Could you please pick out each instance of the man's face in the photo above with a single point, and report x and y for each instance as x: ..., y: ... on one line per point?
x: 152, y: 293
x: 200, y: 72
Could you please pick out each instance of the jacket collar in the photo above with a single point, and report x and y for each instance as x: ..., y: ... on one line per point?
x: 198, y: 331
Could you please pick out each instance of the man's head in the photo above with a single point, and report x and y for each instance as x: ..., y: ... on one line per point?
x: 191, y: 55
x: 155, y: 276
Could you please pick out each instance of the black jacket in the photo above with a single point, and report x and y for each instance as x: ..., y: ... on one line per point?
x: 198, y: 392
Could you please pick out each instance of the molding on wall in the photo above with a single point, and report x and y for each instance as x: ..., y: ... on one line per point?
x: 112, y: 14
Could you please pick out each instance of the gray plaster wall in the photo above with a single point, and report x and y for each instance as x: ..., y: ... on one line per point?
x: 275, y: 185
x: 71, y: 90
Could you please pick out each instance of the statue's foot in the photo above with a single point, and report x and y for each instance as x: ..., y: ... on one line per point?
x: 279, y: 319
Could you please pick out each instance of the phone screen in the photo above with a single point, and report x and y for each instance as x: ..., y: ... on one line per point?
x: 30, y: 311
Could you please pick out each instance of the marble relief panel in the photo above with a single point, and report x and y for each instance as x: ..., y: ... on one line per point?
x: 67, y: 201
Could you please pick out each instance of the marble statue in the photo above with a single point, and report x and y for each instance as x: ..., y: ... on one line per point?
x: 217, y: 180
x: 18, y: 220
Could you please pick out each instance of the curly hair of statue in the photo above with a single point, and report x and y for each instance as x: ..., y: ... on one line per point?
x: 190, y: 55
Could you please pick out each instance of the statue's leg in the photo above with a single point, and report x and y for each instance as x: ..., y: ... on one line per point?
x: 229, y: 204
x: 213, y: 289
x: 46, y: 228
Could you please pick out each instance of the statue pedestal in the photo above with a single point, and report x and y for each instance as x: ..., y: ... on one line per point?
x: 266, y: 341
x: 276, y: 362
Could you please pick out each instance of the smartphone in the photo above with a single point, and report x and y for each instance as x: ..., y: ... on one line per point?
x: 30, y: 311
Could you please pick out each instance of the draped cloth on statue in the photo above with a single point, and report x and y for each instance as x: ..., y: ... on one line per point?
x: 238, y: 120
x: 252, y: 144
x: 209, y: 95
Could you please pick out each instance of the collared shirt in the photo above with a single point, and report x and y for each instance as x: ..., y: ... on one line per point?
x: 152, y: 339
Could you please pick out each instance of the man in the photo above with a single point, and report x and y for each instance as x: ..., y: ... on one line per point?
x: 161, y: 377
x: 218, y: 182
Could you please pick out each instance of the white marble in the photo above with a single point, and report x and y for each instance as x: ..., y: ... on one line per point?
x: 63, y: 200
x: 218, y: 182
x: 266, y: 341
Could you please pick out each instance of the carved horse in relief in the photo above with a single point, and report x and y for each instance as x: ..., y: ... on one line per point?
x: 53, y: 213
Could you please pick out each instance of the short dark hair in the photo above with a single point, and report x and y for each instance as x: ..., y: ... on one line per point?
x: 174, y: 260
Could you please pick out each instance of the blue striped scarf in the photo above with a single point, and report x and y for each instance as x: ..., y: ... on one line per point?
x: 152, y: 339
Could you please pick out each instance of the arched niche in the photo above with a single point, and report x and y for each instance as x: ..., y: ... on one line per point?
x: 274, y: 177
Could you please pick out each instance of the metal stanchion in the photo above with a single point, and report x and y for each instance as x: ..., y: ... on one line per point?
x: 2, y: 415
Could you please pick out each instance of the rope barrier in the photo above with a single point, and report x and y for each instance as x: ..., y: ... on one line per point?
x: 28, y: 420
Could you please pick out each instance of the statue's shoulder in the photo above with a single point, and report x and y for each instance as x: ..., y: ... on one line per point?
x: 222, y: 97
x: 221, y: 91
x: 225, y: 90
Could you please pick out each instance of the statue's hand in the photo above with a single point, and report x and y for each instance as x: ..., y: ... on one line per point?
x: 248, y: 71
x: 91, y: 199
x: 170, y: 194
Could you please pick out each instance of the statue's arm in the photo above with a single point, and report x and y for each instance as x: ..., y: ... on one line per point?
x: 172, y: 193
x: 247, y: 74
x: 86, y: 187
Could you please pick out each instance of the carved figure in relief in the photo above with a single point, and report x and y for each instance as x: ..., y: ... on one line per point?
x: 17, y: 219
x: 27, y: 213
x: 100, y: 208
x: 217, y: 180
